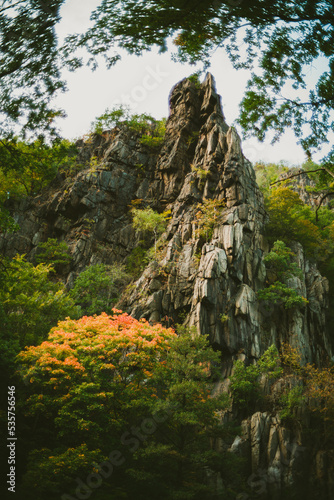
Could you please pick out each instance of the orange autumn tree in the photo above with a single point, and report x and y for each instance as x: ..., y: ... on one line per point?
x: 117, y: 391
x: 104, y: 359
x: 87, y: 384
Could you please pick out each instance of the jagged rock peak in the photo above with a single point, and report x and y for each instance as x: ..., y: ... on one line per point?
x: 209, y: 100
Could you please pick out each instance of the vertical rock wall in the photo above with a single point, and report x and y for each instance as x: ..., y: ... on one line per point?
x: 212, y: 283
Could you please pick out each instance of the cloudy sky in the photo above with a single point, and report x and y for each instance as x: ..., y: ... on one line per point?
x: 145, y: 82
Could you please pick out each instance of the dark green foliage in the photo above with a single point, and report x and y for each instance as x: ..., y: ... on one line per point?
x: 97, y: 288
x: 137, y: 261
x: 280, y: 262
x: 30, y: 305
x: 280, y: 266
x: 152, y: 131
x: 245, y: 386
x: 7, y: 223
x: 195, y: 79
x: 280, y: 294
x: 290, y: 401
x: 53, y: 252
x: 29, y: 65
x: 27, y: 167
x: 176, y: 455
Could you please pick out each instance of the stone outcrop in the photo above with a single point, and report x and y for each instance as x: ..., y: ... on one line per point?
x: 278, y: 461
x: 212, y: 284
x: 209, y: 281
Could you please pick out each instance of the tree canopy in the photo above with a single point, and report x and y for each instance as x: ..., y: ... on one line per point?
x: 107, y: 383
x: 29, y: 65
x: 280, y: 40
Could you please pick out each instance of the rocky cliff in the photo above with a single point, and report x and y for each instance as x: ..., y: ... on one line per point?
x: 209, y: 281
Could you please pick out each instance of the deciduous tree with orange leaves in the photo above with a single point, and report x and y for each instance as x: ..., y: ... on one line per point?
x: 113, y: 383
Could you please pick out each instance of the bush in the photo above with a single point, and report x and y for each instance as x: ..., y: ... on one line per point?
x: 152, y: 131
x: 245, y: 386
x: 147, y: 220
x: 207, y: 217
x: 26, y: 168
x: 290, y: 401
x: 280, y: 294
x: 7, y: 223
x: 137, y: 261
x: 31, y: 305
x: 279, y: 262
x: 88, y: 386
x: 56, y: 253
x: 194, y: 78
x: 96, y: 289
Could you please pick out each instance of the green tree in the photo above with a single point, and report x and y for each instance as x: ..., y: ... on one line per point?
x: 281, y: 40
x: 7, y: 223
x: 30, y: 305
x: 147, y: 220
x: 89, y: 387
x: 27, y: 167
x: 267, y: 173
x: 291, y: 220
x: 53, y: 252
x: 152, y: 131
x: 245, y: 384
x: 108, y: 383
x: 175, y: 457
x: 207, y: 217
x: 96, y: 289
x: 280, y: 262
x: 280, y: 267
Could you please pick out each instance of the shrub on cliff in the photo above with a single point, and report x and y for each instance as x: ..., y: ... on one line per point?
x: 53, y: 252
x: 245, y: 385
x: 149, y: 221
x: 152, y: 131
x: 280, y: 267
x: 96, y: 289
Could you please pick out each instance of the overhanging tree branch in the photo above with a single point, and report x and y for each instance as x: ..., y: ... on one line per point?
x: 323, y: 169
x: 323, y: 197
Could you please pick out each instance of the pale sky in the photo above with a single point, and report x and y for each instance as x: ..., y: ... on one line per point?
x: 145, y: 83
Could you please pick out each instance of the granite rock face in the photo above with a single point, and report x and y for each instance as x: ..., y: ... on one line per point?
x: 210, y: 280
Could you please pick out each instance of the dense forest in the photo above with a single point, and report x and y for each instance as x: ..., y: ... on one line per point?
x: 166, y: 308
